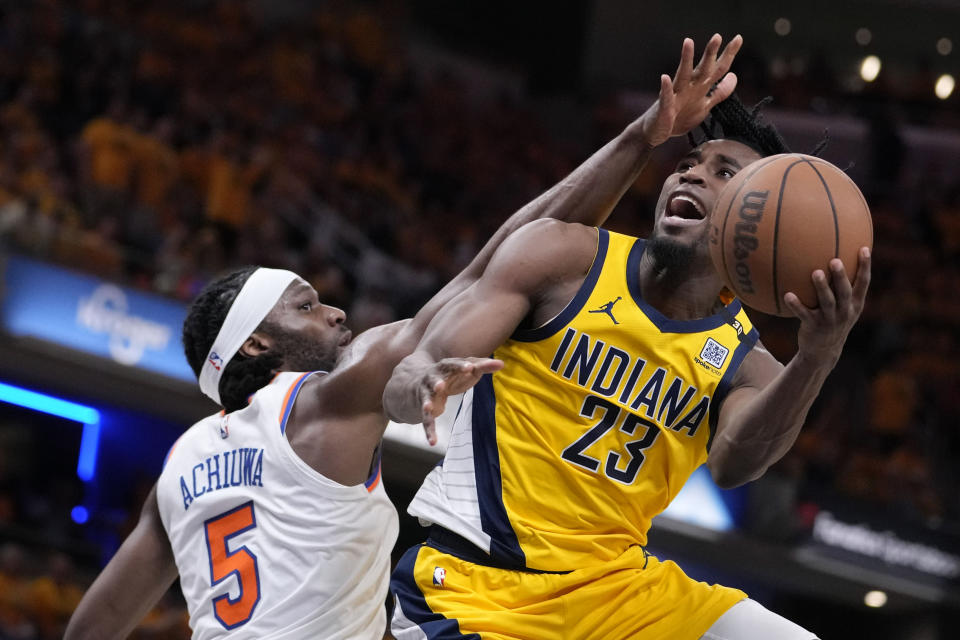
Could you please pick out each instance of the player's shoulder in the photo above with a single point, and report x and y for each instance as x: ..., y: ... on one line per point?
x: 558, y: 230
x: 547, y: 244
x: 187, y: 440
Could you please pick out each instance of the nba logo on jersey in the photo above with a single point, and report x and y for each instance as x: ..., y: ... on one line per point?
x: 439, y: 575
x: 224, y: 429
x: 714, y: 353
x: 215, y: 360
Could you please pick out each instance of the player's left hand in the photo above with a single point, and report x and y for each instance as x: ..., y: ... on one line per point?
x: 686, y: 99
x: 824, y: 329
x: 449, y: 377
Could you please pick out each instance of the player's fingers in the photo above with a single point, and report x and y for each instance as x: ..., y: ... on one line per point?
x: 842, y: 289
x: 487, y: 365
x: 708, y: 60
x: 452, y: 366
x: 726, y: 57
x: 666, y: 92
x: 685, y: 68
x: 826, y: 301
x: 439, y: 406
x: 723, y: 89
x: 862, y: 281
x: 799, y: 309
x: 429, y: 429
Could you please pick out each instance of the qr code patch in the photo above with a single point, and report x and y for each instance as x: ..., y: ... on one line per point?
x: 714, y: 353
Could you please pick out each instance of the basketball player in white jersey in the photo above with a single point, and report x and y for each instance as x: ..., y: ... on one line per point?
x: 272, y: 512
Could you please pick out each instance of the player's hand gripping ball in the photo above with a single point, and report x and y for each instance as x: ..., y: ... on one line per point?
x: 780, y: 219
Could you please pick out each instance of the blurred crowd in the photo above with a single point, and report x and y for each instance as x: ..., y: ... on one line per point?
x: 39, y: 591
x: 142, y: 144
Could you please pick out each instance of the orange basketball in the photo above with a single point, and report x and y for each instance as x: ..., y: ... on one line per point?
x: 781, y: 218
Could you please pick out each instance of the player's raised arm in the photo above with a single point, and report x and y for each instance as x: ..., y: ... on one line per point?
x: 592, y: 190
x: 763, y: 414
x: 586, y: 196
x: 130, y: 585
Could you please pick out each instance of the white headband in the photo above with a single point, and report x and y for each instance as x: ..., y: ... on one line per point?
x: 257, y: 297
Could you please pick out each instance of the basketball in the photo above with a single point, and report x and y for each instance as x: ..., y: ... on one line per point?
x: 780, y: 219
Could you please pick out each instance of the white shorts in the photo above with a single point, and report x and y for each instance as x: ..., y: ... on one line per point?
x: 750, y: 620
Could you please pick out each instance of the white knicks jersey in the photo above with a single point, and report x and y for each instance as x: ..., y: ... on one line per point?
x: 267, y: 547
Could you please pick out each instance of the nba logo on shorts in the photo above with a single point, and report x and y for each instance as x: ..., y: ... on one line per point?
x: 714, y: 353
x: 439, y: 575
x: 215, y: 360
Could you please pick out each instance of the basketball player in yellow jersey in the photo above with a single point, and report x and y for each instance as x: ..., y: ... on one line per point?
x: 624, y: 369
x: 315, y: 561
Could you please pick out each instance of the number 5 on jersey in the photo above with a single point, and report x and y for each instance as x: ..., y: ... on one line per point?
x: 233, y: 612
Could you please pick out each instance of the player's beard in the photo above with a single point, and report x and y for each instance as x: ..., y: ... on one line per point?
x: 300, y: 354
x: 670, y: 255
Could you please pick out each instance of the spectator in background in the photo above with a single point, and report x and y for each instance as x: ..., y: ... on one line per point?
x: 107, y: 160
x: 15, y: 623
x: 53, y: 596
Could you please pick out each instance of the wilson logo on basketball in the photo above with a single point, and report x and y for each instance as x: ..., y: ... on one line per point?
x: 745, y: 235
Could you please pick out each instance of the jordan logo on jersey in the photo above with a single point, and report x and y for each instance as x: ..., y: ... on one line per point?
x: 439, y: 575
x: 608, y: 309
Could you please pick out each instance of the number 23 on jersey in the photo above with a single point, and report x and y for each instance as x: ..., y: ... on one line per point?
x: 612, y: 416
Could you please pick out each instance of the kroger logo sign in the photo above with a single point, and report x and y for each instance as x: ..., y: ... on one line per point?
x: 130, y: 336
x: 86, y: 314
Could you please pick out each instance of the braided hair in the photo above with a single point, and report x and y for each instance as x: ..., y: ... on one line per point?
x: 243, y: 375
x: 733, y: 120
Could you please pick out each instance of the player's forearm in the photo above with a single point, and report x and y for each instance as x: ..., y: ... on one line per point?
x: 763, y: 430
x: 474, y: 323
x: 112, y: 609
x: 589, y: 194
x: 586, y: 196
x: 99, y: 623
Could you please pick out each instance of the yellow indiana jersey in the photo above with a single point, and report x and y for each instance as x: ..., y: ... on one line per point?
x: 598, y: 418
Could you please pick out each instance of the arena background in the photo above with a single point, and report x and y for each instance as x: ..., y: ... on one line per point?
x: 372, y: 147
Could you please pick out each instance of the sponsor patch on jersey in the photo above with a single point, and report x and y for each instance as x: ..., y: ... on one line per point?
x: 712, y: 356
x: 439, y: 575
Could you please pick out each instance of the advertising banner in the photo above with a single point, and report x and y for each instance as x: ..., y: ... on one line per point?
x: 82, y: 312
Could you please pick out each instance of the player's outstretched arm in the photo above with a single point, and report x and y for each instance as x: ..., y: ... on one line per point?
x: 481, y: 318
x: 763, y: 414
x: 586, y: 196
x: 448, y: 377
x: 130, y: 585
